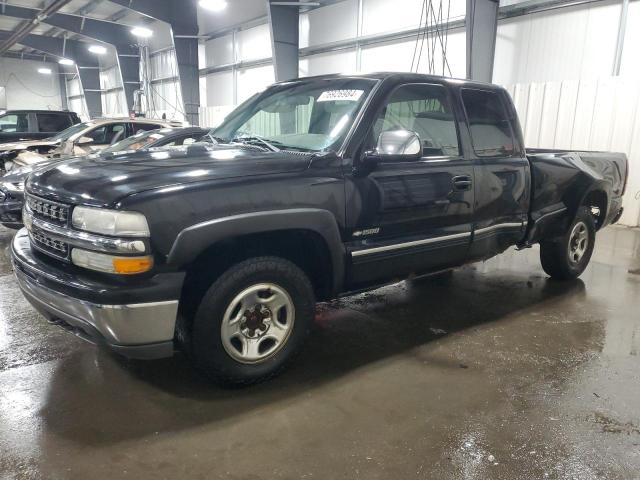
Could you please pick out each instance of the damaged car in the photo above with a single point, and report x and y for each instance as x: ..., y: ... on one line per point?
x: 80, y: 139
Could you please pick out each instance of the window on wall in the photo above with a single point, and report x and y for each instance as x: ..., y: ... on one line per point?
x: 425, y: 110
x: 14, y: 123
x: 489, y: 125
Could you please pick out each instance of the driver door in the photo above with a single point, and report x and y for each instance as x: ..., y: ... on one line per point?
x: 413, y: 216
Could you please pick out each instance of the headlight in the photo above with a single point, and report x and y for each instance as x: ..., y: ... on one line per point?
x: 13, y: 187
x: 110, y: 222
x: 22, y: 170
x: 111, y: 264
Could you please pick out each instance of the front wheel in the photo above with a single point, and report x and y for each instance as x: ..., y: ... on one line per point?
x: 252, y: 320
x: 567, y: 257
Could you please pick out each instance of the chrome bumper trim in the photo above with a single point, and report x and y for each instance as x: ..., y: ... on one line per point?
x: 133, y: 324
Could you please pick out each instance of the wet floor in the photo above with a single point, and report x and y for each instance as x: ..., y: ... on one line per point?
x: 494, y: 373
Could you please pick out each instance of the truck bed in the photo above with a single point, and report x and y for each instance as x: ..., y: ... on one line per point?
x: 562, y: 179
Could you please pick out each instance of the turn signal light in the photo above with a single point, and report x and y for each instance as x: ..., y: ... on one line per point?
x: 129, y: 266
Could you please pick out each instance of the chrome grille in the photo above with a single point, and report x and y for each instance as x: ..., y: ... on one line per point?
x: 48, y: 210
x: 50, y: 245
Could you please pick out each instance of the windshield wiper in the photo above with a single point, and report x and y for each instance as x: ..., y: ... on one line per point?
x: 258, y: 139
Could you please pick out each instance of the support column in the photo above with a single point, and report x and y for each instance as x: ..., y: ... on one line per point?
x: 285, y: 40
x: 481, y: 26
x: 182, y: 16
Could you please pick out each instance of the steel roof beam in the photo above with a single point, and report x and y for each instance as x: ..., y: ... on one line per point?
x: 86, y: 64
x: 27, y: 27
x: 103, y: 31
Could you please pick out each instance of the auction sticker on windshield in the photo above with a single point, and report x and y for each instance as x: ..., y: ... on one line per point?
x: 340, y: 95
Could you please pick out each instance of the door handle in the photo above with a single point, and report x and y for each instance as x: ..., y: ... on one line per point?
x: 462, y: 182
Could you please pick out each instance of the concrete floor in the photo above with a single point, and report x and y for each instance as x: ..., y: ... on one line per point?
x: 496, y: 373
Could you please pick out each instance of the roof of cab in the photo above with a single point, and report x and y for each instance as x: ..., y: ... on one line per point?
x: 398, y: 75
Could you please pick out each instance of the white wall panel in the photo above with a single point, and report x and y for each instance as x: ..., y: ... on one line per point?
x: 599, y: 114
x: 167, y: 99
x: 219, y: 51
x: 329, y: 24
x: 254, y: 80
x: 343, y: 61
x: 383, y: 15
x: 254, y: 43
x: 73, y: 87
x: 630, y: 66
x: 569, y: 43
x: 211, y: 117
x: 219, y: 89
x: 397, y: 56
x: 26, y: 88
x: 163, y: 65
x: 202, y: 55
x: 114, y: 103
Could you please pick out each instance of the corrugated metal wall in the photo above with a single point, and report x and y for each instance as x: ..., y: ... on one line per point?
x: 114, y: 104
x: 166, y: 96
x: 601, y: 114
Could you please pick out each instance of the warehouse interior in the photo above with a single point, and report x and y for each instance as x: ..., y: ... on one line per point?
x: 492, y: 372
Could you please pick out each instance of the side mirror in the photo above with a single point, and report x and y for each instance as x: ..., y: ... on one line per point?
x: 84, y: 141
x: 395, y: 146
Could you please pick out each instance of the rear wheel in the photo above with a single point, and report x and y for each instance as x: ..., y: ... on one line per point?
x: 252, y: 320
x: 565, y: 258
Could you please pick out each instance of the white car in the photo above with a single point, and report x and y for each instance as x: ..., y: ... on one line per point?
x: 80, y: 139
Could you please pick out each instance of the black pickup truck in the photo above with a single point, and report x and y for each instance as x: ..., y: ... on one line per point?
x: 315, y: 188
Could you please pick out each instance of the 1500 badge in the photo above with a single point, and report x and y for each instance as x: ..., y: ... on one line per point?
x: 368, y: 231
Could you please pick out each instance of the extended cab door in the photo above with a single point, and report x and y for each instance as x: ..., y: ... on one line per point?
x: 411, y: 216
x: 501, y: 171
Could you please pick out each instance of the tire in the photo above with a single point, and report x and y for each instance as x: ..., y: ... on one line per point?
x: 565, y: 258
x: 252, y: 320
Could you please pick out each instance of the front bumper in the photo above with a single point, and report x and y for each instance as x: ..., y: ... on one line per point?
x: 141, y: 329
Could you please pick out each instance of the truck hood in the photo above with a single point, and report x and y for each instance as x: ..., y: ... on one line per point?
x: 7, y: 147
x: 103, y: 181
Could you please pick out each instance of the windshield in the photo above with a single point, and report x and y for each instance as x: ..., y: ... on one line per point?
x: 69, y: 132
x: 313, y: 115
x: 138, y: 141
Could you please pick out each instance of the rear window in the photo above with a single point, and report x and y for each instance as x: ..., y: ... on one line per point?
x: 491, y: 132
x: 14, y: 122
x: 51, y: 122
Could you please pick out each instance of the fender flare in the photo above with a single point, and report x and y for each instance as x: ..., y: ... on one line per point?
x: 595, y: 186
x: 194, y: 240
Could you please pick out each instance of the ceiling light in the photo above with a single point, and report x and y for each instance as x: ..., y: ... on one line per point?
x: 44, y: 71
x: 66, y: 61
x: 142, y: 32
x: 213, y: 5
x: 98, y: 49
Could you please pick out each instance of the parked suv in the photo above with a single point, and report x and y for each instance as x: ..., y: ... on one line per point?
x: 17, y: 125
x: 80, y: 139
x: 317, y: 187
